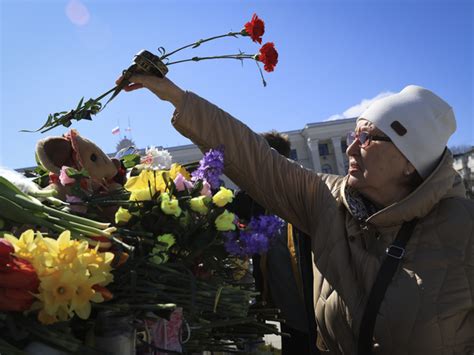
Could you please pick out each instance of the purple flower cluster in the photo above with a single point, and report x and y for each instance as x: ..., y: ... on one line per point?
x: 255, y: 238
x: 211, y: 167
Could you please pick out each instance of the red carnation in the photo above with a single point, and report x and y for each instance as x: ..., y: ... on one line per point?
x: 268, y: 56
x: 255, y: 29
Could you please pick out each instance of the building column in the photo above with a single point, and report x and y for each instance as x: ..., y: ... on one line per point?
x: 336, y: 143
x: 313, y: 145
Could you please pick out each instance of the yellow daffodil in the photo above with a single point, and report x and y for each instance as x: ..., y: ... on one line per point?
x: 122, y: 216
x: 223, y: 197
x: 68, y: 270
x: 198, y: 204
x: 46, y: 318
x: 85, y: 294
x: 225, y: 221
x: 170, y: 206
x: 57, y: 289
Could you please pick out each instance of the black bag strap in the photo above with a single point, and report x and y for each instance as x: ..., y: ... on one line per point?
x: 395, y: 253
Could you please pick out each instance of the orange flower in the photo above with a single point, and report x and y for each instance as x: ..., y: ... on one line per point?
x: 18, y: 280
x: 255, y: 29
x: 104, y: 291
x: 268, y: 56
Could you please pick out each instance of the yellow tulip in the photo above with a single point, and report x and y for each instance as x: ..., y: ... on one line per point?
x: 178, y: 169
x: 225, y: 221
x: 198, y: 204
x: 122, y: 216
x: 170, y: 206
x: 223, y: 197
x: 145, y: 185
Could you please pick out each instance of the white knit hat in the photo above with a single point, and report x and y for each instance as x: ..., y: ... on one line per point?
x: 419, y: 123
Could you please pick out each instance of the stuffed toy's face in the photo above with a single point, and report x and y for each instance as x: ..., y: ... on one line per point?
x: 75, y: 151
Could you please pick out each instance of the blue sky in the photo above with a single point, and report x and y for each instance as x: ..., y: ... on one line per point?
x: 334, y: 54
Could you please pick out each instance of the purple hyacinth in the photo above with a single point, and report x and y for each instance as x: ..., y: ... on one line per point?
x: 231, y: 244
x: 267, y: 225
x: 211, y: 167
x: 256, y: 238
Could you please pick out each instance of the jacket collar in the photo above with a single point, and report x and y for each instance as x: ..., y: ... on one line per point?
x: 443, y: 182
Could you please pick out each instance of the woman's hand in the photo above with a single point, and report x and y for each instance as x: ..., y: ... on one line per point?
x: 164, y: 88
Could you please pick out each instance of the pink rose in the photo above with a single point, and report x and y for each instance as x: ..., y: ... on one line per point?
x: 206, y: 189
x: 64, y: 179
x: 181, y: 183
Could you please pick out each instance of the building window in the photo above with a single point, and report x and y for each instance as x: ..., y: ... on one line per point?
x: 343, y: 146
x: 294, y: 155
x: 326, y: 169
x: 323, y: 149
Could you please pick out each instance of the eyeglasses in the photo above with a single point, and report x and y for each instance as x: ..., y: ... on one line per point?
x: 364, y: 138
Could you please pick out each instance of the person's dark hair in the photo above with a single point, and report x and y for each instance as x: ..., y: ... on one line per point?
x: 279, y: 142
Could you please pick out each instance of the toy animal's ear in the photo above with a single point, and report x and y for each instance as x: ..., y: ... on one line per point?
x: 117, y: 163
x: 54, y: 152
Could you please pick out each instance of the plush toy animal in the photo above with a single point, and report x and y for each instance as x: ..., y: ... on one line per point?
x: 59, y: 154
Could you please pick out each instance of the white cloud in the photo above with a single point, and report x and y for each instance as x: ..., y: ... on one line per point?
x: 356, y: 110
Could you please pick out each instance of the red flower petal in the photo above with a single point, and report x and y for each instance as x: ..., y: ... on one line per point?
x: 268, y: 56
x: 6, y: 248
x: 20, y: 274
x: 15, y: 300
x: 255, y: 28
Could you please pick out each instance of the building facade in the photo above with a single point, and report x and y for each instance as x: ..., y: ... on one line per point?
x: 464, y: 165
x: 318, y: 146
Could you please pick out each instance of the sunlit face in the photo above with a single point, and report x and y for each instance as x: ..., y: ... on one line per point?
x: 378, y: 169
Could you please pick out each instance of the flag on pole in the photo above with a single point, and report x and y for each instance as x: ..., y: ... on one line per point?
x: 128, y: 129
x: 116, y: 130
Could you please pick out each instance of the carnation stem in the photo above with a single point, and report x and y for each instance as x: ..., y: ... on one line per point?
x: 230, y: 56
x: 201, y: 41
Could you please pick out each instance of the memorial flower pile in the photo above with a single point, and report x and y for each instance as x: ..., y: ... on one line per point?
x: 175, y: 251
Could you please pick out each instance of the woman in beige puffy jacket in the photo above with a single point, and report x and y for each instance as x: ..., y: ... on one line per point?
x: 399, y: 170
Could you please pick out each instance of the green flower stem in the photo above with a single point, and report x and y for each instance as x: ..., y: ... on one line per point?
x: 32, y: 204
x: 76, y: 219
x: 201, y: 41
x: 12, y: 211
x: 81, y: 228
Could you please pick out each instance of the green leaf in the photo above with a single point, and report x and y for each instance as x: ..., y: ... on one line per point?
x: 80, y: 104
x: 131, y: 160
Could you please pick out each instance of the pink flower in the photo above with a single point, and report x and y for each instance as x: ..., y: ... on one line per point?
x: 64, y: 179
x: 76, y: 205
x: 181, y: 183
x: 206, y: 189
